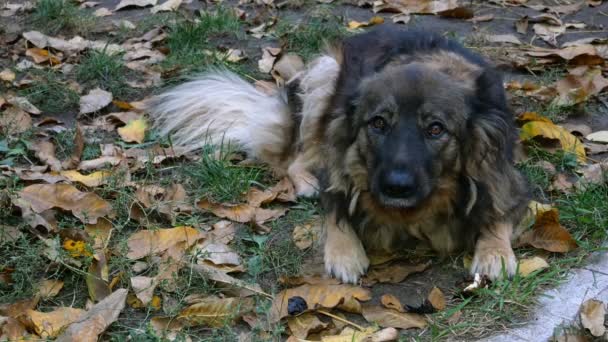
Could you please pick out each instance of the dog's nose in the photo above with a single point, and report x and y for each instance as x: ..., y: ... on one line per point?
x: 399, y: 184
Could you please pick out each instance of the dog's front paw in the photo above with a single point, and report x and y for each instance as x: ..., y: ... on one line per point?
x: 346, y: 260
x: 489, y: 261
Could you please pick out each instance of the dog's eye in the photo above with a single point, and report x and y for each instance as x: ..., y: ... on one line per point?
x: 435, y: 129
x: 378, y: 123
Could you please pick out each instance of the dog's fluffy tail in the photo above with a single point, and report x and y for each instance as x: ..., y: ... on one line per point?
x: 219, y: 107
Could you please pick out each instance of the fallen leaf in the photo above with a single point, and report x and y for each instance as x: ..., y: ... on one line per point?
x: 223, y: 232
x: 579, y: 85
x: 503, y: 38
x: 98, y: 277
x: 304, y: 236
x: 227, y: 282
x: 375, y: 20
x: 91, y: 180
x: 370, y: 334
x: 134, y: 131
x: 167, y: 327
x: 45, y: 152
x: 219, y: 254
x: 482, y: 18
x: 136, y: 3
x: 546, y: 129
x: 7, y: 75
x: 521, y: 25
x: 457, y: 13
x: 593, y: 312
x: 243, y: 213
x: 599, y: 137
x: 143, y: 288
x: 94, y: 101
x: 13, y: 120
x: 151, y: 242
x: 102, y: 12
x: 217, y: 312
x: 304, y: 324
x: 168, y: 6
x: 391, y: 302
x: 416, y: 6
x: 561, y: 183
x: 530, y: 265
x: 269, y: 56
x: 316, y: 296
x: 49, y: 288
x: 312, y: 280
x: 50, y: 324
x: 41, y: 56
x: 23, y: 103
x: 388, y: 318
x: 392, y: 273
x: 77, y: 150
x: 88, y: 207
x: 96, y: 320
x: 548, y: 234
x: 437, y: 299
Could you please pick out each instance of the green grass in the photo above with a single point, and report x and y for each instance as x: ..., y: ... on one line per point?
x: 218, y: 179
x: 308, y: 37
x: 53, y: 16
x: 106, y: 71
x: 64, y: 143
x: 49, y: 93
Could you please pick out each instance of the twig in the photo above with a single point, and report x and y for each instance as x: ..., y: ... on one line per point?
x: 343, y: 320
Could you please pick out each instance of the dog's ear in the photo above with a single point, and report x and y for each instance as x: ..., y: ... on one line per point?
x: 488, y: 148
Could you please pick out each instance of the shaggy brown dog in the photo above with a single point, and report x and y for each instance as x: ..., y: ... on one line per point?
x: 403, y: 134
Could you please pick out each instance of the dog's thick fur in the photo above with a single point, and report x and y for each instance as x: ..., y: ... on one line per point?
x: 405, y: 135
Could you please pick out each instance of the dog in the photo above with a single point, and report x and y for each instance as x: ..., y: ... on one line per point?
x: 403, y: 134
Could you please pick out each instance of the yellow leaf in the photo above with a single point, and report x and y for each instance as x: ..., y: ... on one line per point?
x: 376, y: 20
x: 389, y: 318
x: 149, y: 242
x: 134, y: 131
x: 529, y: 265
x: 351, y: 335
x: 389, y: 301
x: 437, y: 299
x: 324, y: 296
x: 549, y: 130
x: 216, y: 312
x: 91, y: 180
x: 548, y: 234
x: 49, y: 324
x: 301, y: 325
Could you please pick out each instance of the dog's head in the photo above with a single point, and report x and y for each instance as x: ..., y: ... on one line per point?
x: 417, y: 127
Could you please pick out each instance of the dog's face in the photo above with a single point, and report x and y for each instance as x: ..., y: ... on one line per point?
x: 412, y: 119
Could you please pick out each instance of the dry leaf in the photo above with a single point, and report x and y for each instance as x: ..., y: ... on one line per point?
x: 548, y: 234
x: 24, y: 104
x: 391, y: 302
x: 375, y: 20
x: 144, y: 287
x: 304, y: 236
x: 95, y: 100
x: 167, y: 327
x: 7, y: 75
x: 437, y: 299
x: 49, y: 288
x: 530, y: 265
x: 304, y: 324
x: 482, y: 18
x: 242, y: 213
x: 392, y: 273
x: 217, y: 312
x: 522, y: 25
x: 416, y: 6
x: 77, y: 151
x: 102, y: 12
x: 219, y: 254
x: 50, y: 324
x: 223, y: 232
x: 370, y: 334
x: 222, y: 279
x: 13, y: 120
x: 546, y: 129
x: 388, y: 318
x: 269, y: 55
x: 579, y: 85
x: 168, y: 6
x: 42, y: 56
x: 136, y: 3
x: 45, y: 152
x: 316, y: 296
x: 98, y: 277
x: 88, y: 207
x: 150, y: 242
x: 592, y: 316
x: 134, y: 131
x: 96, y: 320
x: 599, y: 137
x: 503, y: 38
x: 91, y: 180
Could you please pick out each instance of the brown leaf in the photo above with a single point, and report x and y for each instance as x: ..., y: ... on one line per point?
x: 482, y: 18
x: 168, y: 6
x: 13, y: 120
x: 49, y: 288
x: 223, y: 232
x: 23, y: 103
x: 222, y: 279
x: 87, y: 206
x: 314, y: 280
x: 388, y: 318
x: 304, y: 324
x: 7, y: 75
x: 437, y: 299
x: 391, y: 302
x: 97, y: 278
x: 548, y: 234
x: 561, y: 183
x: 305, y: 236
x: 579, y: 85
x: 392, y: 273
x: 42, y: 56
x: 50, y: 324
x: 503, y: 38
x: 522, y: 25
x: 45, y: 152
x: 269, y: 56
x: 143, y: 288
x: 94, y: 101
x: 216, y: 312
x: 96, y: 320
x: 416, y: 6
x: 592, y: 316
x: 167, y: 327
x: 243, y: 213
x: 458, y: 13
x: 150, y: 242
x: 219, y: 254
x: 316, y: 296
x: 370, y: 334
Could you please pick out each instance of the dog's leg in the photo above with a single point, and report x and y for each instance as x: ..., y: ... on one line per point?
x: 306, y: 183
x: 493, y: 250
x: 345, y: 256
